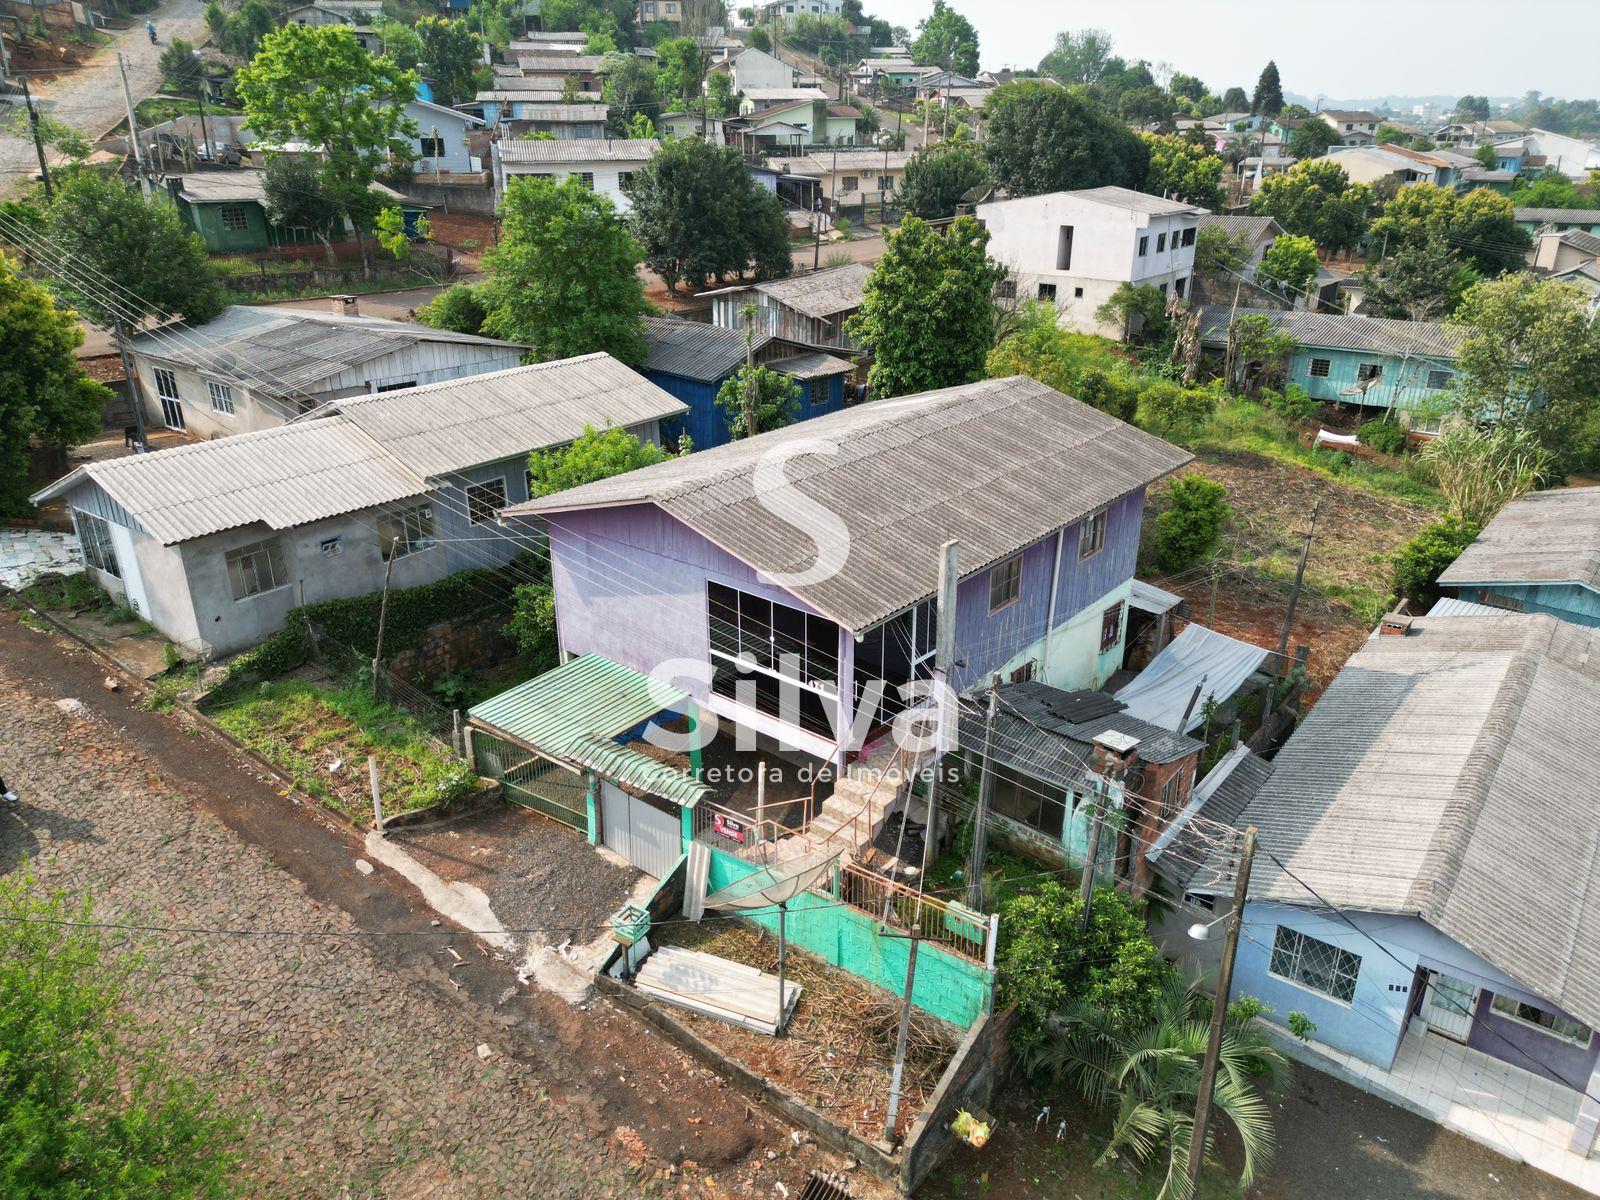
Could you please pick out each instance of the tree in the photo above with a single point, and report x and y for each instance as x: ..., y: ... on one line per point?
x: 1268, y: 97
x: 594, y: 454
x: 630, y: 89
x: 1482, y: 224
x: 683, y: 63
x: 699, y: 214
x: 1217, y: 251
x: 1191, y: 527
x: 356, y: 113
x: 180, y: 67
x: 85, y: 1108
x: 947, y: 38
x: 928, y: 315
x: 1051, y: 139
x: 564, y: 277
x: 134, y: 257
x: 720, y: 100
x: 1489, y: 157
x: 1549, y: 189
x: 1419, y: 563
x: 1139, y: 310
x: 44, y: 394
x: 1289, y: 266
x: 398, y: 41
x: 759, y: 39
x: 1077, y: 364
x: 1316, y: 200
x: 297, y: 197
x: 1079, y: 57
x: 460, y: 308
x: 1149, y: 1073
x: 452, y: 54
x: 1235, y: 99
x: 242, y: 32
x: 755, y: 391
x: 937, y: 177
x: 1255, y: 345
x: 1181, y: 169
x: 1531, y: 356
x: 1389, y: 135
x: 1312, y: 139
x: 1419, y: 283
x: 1482, y: 469
x: 1470, y: 108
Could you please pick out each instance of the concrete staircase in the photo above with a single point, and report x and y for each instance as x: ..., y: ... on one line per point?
x: 850, y: 818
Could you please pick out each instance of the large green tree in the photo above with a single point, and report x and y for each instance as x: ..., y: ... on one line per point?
x: 1235, y: 99
x: 937, y: 177
x: 1289, y: 266
x: 1471, y: 108
x: 1549, y: 189
x: 564, y: 277
x: 1422, y: 281
x: 699, y: 215
x: 132, y: 257
x: 452, y: 59
x: 1182, y: 169
x: 45, y: 396
x: 1481, y: 225
x: 756, y: 399
x: 315, y: 83
x: 1051, y: 139
x: 297, y: 197
x: 1080, y: 57
x: 1268, y: 97
x: 1316, y: 200
x: 928, y: 316
x: 683, y: 63
x: 947, y: 38
x: 631, y: 89
x: 1312, y: 138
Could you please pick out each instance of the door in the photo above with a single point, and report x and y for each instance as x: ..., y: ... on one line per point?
x: 128, y: 565
x: 646, y: 836
x: 1448, y: 1004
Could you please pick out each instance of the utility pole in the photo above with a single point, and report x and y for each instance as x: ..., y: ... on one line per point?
x: 943, y: 661
x: 1219, y: 1013
x: 383, y: 615
x: 1299, y: 577
x: 38, y: 142
x: 980, y: 822
x: 1086, y: 884
x: 133, y: 124
x: 200, y: 98
x: 120, y: 331
x: 900, y: 1038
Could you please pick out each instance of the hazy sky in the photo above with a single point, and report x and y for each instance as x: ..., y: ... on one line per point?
x: 1350, y: 49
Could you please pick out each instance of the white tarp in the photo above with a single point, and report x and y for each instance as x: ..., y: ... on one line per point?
x: 1160, y: 693
x: 1149, y: 598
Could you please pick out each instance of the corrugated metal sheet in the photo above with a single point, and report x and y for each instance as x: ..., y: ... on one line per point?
x: 573, y: 713
x: 1147, y: 597
x: 1543, y: 537
x: 821, y: 293
x: 1452, y: 606
x: 279, y: 477
x: 1337, y: 331
x: 1198, y: 657
x: 532, y: 110
x: 559, y: 64
x: 1562, y: 216
x: 1256, y: 228
x: 815, y: 365
x: 1182, y: 851
x: 695, y: 350
x: 578, y: 150
x: 1450, y: 774
x: 996, y: 465
x: 460, y: 423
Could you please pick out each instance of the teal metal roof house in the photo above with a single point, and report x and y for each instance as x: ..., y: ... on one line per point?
x: 228, y: 210
x: 1541, y: 554
x: 1369, y: 361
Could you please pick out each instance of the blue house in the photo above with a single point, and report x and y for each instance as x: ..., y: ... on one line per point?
x: 692, y: 360
x: 1425, y: 887
x: 1559, y: 220
x: 1540, y: 554
x: 1370, y: 361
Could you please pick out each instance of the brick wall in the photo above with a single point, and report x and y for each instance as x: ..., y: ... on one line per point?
x: 451, y: 646
x: 980, y: 1063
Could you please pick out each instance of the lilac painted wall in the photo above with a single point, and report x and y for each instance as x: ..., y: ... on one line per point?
x: 1531, y: 1049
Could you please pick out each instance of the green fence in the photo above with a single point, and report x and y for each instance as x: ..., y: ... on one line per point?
x: 533, y: 781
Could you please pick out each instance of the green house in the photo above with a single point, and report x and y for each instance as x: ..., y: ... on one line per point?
x: 228, y: 210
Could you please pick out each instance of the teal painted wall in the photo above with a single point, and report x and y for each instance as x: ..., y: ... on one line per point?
x: 1404, y: 383
x: 1570, y: 601
x: 206, y: 220
x: 946, y: 985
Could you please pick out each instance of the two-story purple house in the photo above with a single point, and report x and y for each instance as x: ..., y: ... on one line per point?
x: 807, y: 559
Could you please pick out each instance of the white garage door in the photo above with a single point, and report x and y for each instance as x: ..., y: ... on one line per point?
x: 648, y: 837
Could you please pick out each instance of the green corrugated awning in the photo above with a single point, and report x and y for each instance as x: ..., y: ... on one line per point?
x: 572, y: 714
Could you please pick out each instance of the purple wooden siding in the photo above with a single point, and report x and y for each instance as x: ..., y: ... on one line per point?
x: 988, y: 641
x: 1532, y: 1049
x: 630, y: 584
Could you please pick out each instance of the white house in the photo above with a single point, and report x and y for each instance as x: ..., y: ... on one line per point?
x: 1355, y: 127
x: 441, y: 144
x: 1074, y: 249
x: 254, y: 368
x: 788, y: 10
x: 605, y: 165
x: 1573, y: 157
x: 752, y: 68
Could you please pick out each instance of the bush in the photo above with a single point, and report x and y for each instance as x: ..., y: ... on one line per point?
x: 1419, y: 563
x: 1172, y: 411
x: 533, y: 625
x: 1046, y: 961
x: 1100, y: 389
x: 1294, y: 403
x: 459, y: 309
x: 1383, y: 435
x: 1192, y: 525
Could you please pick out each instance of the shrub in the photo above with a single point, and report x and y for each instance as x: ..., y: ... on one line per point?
x: 1192, y: 525
x: 1419, y: 563
x: 1170, y: 410
x: 459, y: 309
x: 1100, y: 389
x: 1294, y: 403
x: 533, y: 624
x: 1382, y: 435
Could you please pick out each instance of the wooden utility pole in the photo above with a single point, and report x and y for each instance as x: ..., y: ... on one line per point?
x: 1219, y: 1014
x: 900, y: 1038
x: 133, y: 124
x: 1294, y: 595
x: 943, y: 661
x: 1086, y: 885
x: 980, y: 822
x: 383, y: 616
x: 38, y: 142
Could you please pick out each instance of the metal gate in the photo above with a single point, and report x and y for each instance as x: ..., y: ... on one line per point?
x: 1448, y: 1004
x: 648, y: 837
x: 533, y: 781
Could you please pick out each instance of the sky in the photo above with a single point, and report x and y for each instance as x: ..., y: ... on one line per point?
x: 1357, y: 48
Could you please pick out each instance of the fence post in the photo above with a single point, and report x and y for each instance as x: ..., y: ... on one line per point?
x: 456, y: 743
x: 377, y: 799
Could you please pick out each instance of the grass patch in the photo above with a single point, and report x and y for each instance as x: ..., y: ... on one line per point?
x: 67, y: 593
x: 153, y: 110
x: 387, y: 281
x: 165, y: 690
x: 304, y: 728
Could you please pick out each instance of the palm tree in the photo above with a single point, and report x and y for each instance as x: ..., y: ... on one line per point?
x: 1150, y: 1076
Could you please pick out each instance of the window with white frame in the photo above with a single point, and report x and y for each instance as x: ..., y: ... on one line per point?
x: 485, y: 500
x: 1314, y: 964
x: 586, y: 179
x: 221, y: 396
x: 1005, y: 583
x: 405, y: 531
x: 256, y: 568
x: 1092, y: 534
x: 166, y: 384
x: 95, y: 535
x: 1531, y: 1014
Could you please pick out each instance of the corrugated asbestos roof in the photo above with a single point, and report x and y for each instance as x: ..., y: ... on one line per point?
x: 279, y: 477
x: 814, y: 365
x: 1337, y: 331
x: 578, y: 150
x: 450, y: 426
x: 996, y: 465
x: 1256, y: 227
x: 285, y: 350
x: 1449, y: 774
x: 530, y: 110
x: 695, y: 350
x: 218, y: 187
x: 1543, y: 537
x: 1581, y: 239
x: 559, y: 64
x: 1182, y: 851
x: 1563, y: 216
x: 1121, y: 197
x: 821, y: 293
x: 573, y: 712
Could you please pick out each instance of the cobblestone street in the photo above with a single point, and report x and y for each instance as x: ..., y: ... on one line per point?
x: 350, y: 1036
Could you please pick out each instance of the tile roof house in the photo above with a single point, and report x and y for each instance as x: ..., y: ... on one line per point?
x: 214, y: 542
x: 1429, y: 862
x: 1541, y: 553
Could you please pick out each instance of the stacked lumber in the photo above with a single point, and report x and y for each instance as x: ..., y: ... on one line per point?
x: 716, y: 987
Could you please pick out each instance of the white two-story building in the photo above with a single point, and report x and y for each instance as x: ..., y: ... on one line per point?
x: 1074, y: 249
